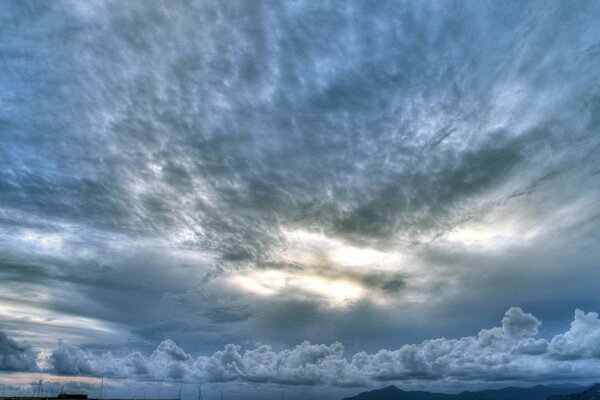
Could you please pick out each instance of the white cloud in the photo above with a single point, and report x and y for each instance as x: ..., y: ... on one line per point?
x: 581, y: 341
x: 510, y: 352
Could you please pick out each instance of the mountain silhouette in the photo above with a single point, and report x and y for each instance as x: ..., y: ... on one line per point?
x: 539, y: 392
x: 591, y: 393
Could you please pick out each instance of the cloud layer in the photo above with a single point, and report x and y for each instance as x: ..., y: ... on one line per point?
x: 260, y: 173
x: 506, y: 353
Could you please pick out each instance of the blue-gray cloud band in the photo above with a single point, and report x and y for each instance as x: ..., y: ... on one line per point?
x: 506, y: 353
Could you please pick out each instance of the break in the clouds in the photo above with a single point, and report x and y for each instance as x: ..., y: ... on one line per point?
x: 269, y: 173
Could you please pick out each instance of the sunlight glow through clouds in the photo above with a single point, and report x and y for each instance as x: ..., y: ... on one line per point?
x: 316, y: 251
x: 488, y: 236
x: 504, y: 228
x: 25, y: 379
x: 303, y: 244
x: 269, y: 283
x: 72, y: 328
x: 43, y: 242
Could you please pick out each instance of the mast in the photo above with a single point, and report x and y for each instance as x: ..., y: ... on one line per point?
x: 200, y: 392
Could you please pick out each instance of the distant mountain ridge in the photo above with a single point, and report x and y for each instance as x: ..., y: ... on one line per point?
x: 591, y: 393
x: 539, y: 392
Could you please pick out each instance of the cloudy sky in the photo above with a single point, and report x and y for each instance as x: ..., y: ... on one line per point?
x: 311, y: 196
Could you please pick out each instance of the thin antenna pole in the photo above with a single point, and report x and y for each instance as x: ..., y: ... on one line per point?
x: 200, y: 392
x: 179, y: 396
x: 102, y: 388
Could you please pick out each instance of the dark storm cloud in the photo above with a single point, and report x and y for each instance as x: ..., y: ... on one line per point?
x: 154, y: 152
x: 16, y: 356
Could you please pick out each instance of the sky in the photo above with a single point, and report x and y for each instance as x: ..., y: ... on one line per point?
x: 316, y: 197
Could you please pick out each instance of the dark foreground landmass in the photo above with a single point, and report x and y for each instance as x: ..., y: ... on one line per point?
x: 591, y: 393
x: 539, y: 392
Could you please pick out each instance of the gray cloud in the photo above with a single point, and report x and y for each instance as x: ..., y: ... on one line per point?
x: 15, y: 356
x: 503, y: 353
x: 268, y: 160
x: 518, y: 324
x: 71, y: 360
x: 379, y: 175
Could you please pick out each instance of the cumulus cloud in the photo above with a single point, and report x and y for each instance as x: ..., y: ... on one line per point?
x: 518, y: 324
x: 581, y: 341
x: 15, y: 356
x: 71, y: 360
x: 509, y: 352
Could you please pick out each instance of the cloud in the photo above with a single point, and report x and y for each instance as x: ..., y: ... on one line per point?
x: 71, y: 360
x: 15, y: 356
x: 291, y: 77
x: 153, y: 154
x: 581, y: 341
x: 517, y: 324
x: 506, y: 353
